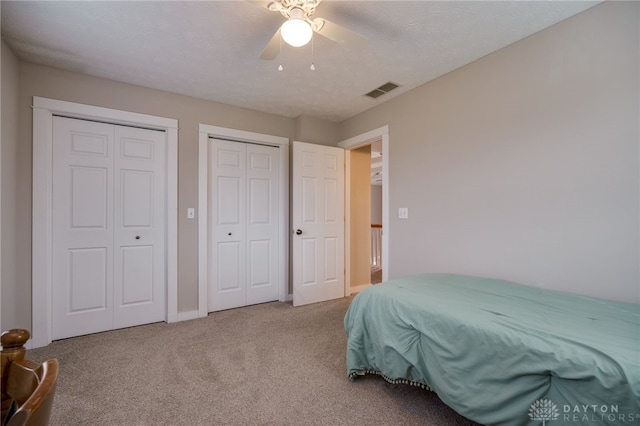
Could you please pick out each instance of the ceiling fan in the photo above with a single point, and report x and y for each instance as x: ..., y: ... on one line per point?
x: 299, y: 27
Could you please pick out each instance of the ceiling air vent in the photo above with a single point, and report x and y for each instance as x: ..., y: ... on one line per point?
x: 385, y: 88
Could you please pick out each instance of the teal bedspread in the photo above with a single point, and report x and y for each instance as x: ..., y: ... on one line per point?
x: 501, y: 353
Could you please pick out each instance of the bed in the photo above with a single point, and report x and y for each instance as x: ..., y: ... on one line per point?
x: 500, y: 353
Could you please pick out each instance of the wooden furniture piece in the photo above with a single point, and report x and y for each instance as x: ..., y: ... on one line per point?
x: 12, y: 342
x: 27, y: 387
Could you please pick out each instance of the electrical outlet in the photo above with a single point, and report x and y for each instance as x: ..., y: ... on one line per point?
x: 403, y: 213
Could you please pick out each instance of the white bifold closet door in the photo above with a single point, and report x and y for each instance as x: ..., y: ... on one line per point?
x: 108, y: 227
x: 243, y: 224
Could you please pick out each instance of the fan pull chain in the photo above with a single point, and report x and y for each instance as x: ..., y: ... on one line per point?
x: 280, y: 67
x: 312, y: 67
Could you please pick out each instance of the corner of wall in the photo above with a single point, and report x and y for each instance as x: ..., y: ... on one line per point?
x: 9, y: 76
x: 316, y: 130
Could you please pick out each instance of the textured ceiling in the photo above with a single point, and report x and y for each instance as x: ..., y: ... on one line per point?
x: 210, y: 50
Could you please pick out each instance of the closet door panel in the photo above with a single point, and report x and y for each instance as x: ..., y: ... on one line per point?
x: 227, y: 252
x: 243, y: 218
x: 82, y: 228
x: 139, y: 227
x: 262, y: 225
x: 108, y: 227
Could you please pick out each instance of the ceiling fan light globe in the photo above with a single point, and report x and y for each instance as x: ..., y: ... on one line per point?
x: 296, y: 32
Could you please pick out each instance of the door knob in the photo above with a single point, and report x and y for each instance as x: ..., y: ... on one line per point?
x: 298, y: 231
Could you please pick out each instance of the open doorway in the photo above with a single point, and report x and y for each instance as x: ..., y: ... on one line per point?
x: 367, y: 162
x: 359, y: 231
x: 376, y: 228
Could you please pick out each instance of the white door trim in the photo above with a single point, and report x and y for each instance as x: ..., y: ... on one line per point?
x: 43, y: 111
x: 207, y: 131
x: 381, y: 133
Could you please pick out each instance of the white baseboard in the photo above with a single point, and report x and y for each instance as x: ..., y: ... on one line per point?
x: 190, y: 315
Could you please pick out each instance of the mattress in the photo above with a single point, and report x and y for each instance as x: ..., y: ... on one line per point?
x: 501, y: 353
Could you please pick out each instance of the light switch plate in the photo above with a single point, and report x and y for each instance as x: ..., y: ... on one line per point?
x: 403, y: 213
x: 191, y: 213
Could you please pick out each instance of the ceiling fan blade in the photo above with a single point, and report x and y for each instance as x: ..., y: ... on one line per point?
x: 338, y: 33
x: 272, y: 49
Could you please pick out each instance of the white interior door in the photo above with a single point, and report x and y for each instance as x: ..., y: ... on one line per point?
x: 243, y: 209
x: 262, y: 223
x: 82, y: 267
x: 108, y: 227
x: 227, y: 216
x: 139, y: 227
x: 318, y: 223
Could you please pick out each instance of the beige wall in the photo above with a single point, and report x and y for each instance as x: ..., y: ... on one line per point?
x: 524, y: 164
x: 10, y: 264
x: 360, y: 215
x: 52, y: 83
x: 190, y: 112
x: 318, y: 131
x: 35, y: 80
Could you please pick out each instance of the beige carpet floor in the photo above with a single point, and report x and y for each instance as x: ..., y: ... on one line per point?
x: 269, y: 364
